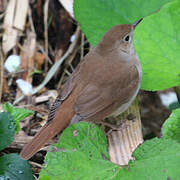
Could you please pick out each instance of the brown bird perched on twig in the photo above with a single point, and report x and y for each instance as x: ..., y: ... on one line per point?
x: 104, y: 84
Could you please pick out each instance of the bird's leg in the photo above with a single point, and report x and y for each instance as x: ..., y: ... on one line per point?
x: 130, y: 116
x: 109, y: 125
x: 114, y: 124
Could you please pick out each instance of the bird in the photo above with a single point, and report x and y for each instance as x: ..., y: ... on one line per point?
x: 104, y: 84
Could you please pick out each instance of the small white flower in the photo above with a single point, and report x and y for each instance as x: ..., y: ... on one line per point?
x: 72, y: 38
x: 168, y: 98
x: 12, y: 63
x: 24, y: 86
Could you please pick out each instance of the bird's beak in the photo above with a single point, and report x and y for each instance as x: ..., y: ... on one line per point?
x: 136, y: 23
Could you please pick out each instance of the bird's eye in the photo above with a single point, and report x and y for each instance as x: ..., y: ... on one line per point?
x: 127, y: 38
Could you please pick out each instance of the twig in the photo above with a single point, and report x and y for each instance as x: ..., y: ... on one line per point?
x: 35, y: 164
x: 31, y: 20
x: 1, y: 73
x: 82, y: 45
x: 55, y: 67
x: 67, y: 72
x: 65, y: 68
x: 35, y: 177
x: 70, y: 59
x: 43, y: 51
x: 46, y: 31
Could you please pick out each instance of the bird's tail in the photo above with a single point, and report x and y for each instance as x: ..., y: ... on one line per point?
x: 61, y: 120
x: 41, y: 138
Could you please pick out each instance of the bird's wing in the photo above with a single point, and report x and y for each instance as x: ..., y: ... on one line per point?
x: 91, y: 100
x: 101, y: 102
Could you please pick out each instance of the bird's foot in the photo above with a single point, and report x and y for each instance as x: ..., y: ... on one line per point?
x: 111, y: 126
x: 130, y: 117
x: 108, y: 128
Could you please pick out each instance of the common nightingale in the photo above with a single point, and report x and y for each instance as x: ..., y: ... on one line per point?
x: 104, y: 84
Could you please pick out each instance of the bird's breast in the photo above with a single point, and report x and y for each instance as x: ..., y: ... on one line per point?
x: 124, y: 107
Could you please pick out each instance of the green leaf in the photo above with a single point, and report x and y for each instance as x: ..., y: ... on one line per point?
x: 82, y: 154
x: 97, y: 16
x: 157, y: 42
x: 171, y: 127
x: 7, y: 130
x: 157, y: 38
x: 174, y: 105
x: 12, y: 167
x: 155, y: 159
x: 17, y: 113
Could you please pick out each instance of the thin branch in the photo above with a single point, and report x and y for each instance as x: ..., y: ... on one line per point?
x: 46, y: 30
x: 69, y: 60
x: 82, y: 45
x: 31, y: 20
x: 1, y: 72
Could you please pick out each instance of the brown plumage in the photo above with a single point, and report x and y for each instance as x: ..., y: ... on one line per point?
x: 104, y: 84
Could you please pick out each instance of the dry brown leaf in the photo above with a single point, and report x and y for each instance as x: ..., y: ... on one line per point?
x: 14, y: 22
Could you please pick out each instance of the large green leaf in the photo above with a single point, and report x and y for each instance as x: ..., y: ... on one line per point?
x: 157, y: 38
x: 7, y: 130
x: 157, y: 42
x: 17, y: 113
x: 171, y: 128
x: 12, y: 167
x: 97, y: 16
x: 155, y: 159
x: 82, y: 154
